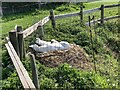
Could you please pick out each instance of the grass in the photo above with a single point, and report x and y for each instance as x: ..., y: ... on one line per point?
x: 26, y: 20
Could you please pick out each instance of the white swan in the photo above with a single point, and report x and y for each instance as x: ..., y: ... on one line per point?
x: 44, y: 48
x: 53, y: 42
x: 49, y: 46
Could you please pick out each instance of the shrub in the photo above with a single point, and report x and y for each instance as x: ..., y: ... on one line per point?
x: 78, y: 79
x: 65, y: 8
x: 12, y: 82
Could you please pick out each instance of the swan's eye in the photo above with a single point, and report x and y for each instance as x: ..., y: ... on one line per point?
x: 38, y: 44
x: 52, y: 41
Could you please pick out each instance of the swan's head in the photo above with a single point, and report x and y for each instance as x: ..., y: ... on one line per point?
x: 39, y: 42
x: 37, y: 39
x: 65, y: 44
x: 54, y: 41
x: 34, y: 47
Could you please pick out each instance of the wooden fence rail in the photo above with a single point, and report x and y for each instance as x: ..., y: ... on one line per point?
x: 112, y: 17
x: 105, y: 19
x: 76, y: 13
x: 22, y: 73
x: 34, y: 27
x: 91, y: 10
x: 110, y: 6
x: 67, y: 15
x: 31, y: 29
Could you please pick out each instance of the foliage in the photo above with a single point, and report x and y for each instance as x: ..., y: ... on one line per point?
x: 66, y: 76
x: 12, y: 82
x: 106, y: 48
x: 67, y: 9
x: 69, y: 77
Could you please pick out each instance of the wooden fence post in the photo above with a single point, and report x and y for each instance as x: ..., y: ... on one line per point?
x: 18, y: 28
x: 40, y: 32
x: 21, y: 45
x: 52, y: 18
x: 34, y: 71
x: 102, y: 14
x: 81, y: 11
x: 14, y: 40
x: 20, y: 42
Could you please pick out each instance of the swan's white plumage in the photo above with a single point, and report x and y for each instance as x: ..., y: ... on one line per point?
x: 44, y: 48
x: 65, y: 44
x: 49, y: 46
x: 56, y: 44
x: 41, y: 42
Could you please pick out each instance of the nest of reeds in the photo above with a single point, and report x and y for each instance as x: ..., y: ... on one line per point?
x: 75, y: 56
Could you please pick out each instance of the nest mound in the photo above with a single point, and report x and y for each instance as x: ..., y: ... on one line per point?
x: 75, y: 56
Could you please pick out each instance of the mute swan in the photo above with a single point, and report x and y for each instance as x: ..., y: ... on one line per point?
x: 53, y: 42
x: 44, y: 48
x: 49, y: 46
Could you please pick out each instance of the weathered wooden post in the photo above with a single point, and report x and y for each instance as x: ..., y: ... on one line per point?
x: 20, y: 42
x: 102, y: 14
x: 34, y: 71
x: 40, y: 32
x: 18, y: 28
x: 21, y: 45
x: 14, y: 40
x: 52, y: 18
x: 81, y: 11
